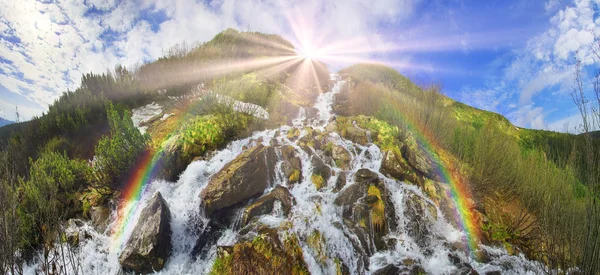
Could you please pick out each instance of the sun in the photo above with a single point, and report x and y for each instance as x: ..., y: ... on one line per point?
x: 309, y: 52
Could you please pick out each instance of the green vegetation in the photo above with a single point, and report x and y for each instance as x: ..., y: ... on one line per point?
x: 263, y: 255
x: 377, y: 73
x: 377, y: 209
x: 316, y: 241
x: 534, y: 186
x: 318, y: 181
x: 115, y: 155
x: 77, y: 155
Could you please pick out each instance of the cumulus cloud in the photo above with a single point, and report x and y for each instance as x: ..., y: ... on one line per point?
x: 46, y: 47
x: 544, y: 68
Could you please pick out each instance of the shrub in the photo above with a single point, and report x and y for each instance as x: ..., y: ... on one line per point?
x: 115, y: 154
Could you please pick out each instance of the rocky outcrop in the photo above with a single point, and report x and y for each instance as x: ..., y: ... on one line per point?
x: 245, y: 177
x: 291, y: 166
x: 265, y: 204
x: 394, y: 165
x: 356, y: 135
x: 367, y: 204
x: 266, y: 253
x: 421, y: 215
x: 150, y: 243
x: 171, y: 159
x: 418, y: 159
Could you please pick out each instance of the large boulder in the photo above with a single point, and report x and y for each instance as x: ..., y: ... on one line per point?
x: 243, y: 178
x: 265, y: 204
x: 150, y: 243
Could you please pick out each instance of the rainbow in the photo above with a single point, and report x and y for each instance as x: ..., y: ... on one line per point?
x: 136, y: 185
x: 129, y: 202
x: 459, y: 189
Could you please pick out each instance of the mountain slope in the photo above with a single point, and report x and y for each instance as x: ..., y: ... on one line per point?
x: 506, y: 166
x: 4, y: 122
x: 261, y: 166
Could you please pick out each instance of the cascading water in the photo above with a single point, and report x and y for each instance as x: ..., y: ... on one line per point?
x: 422, y: 235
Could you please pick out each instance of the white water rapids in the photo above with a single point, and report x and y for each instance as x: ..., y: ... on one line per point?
x: 94, y: 255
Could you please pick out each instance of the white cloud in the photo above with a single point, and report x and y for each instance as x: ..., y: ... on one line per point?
x: 58, y: 42
x: 528, y: 116
x: 546, y: 64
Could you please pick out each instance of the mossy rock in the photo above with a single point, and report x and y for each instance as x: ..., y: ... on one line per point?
x: 316, y: 241
x: 295, y: 176
x: 243, y: 178
x: 341, y: 156
x: 318, y: 181
x: 291, y: 166
x: 395, y: 166
x: 265, y: 254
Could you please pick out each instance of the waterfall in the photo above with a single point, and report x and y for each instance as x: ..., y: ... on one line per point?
x: 314, y: 210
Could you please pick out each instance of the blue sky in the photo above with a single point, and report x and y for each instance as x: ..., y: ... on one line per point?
x: 511, y: 57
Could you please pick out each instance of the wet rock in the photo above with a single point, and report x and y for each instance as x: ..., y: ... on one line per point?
x: 416, y: 270
x: 264, y: 205
x: 100, y: 216
x: 389, y: 269
x: 341, y: 268
x: 291, y: 166
x: 368, y: 204
x: 365, y: 177
x: 482, y: 256
x: 341, y: 156
x: 393, y: 166
x: 371, y: 199
x: 418, y: 219
x: 311, y: 113
x: 207, y: 237
x: 356, y: 135
x: 350, y: 195
x: 73, y: 233
x: 150, y: 243
x: 464, y: 268
x: 320, y: 168
x: 243, y: 178
x: 306, y: 143
x: 340, y: 182
x: 172, y: 160
x: 361, y: 244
